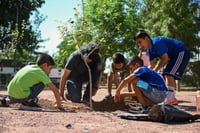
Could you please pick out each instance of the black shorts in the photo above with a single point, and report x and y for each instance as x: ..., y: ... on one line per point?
x: 176, y: 65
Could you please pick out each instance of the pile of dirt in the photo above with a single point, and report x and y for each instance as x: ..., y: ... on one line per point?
x: 109, y: 105
x: 103, y: 105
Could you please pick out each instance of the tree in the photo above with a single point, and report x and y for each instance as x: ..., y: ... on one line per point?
x: 110, y: 23
x: 18, y: 35
x: 173, y: 18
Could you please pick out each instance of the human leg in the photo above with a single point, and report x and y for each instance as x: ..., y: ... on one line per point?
x: 74, y: 90
x: 145, y: 101
x: 95, y: 75
x: 171, y: 94
x: 36, y: 90
x: 152, y: 93
x: 174, y: 71
x: 32, y: 99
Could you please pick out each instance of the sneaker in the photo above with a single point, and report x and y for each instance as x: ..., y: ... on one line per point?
x: 108, y: 96
x: 139, y: 109
x: 172, y: 102
x: 4, y: 102
x: 31, y: 103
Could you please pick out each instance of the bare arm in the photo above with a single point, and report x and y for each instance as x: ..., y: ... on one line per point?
x: 109, y: 80
x: 164, y: 59
x: 152, y: 64
x: 116, y: 80
x: 56, y: 94
x: 63, y: 79
x: 124, y: 82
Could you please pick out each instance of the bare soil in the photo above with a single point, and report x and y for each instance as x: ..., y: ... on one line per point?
x: 101, y: 117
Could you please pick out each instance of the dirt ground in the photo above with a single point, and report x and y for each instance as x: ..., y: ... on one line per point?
x: 79, y: 118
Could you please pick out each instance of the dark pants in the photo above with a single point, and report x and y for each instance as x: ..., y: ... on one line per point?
x: 74, y: 85
x: 35, y: 90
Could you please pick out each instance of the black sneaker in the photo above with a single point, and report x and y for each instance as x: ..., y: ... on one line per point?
x: 31, y: 103
x: 4, y: 102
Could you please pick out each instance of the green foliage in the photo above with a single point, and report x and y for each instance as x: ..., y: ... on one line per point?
x: 110, y: 23
x: 173, y: 18
x: 17, y: 32
x: 192, y: 75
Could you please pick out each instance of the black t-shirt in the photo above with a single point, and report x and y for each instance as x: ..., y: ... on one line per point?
x: 76, y: 64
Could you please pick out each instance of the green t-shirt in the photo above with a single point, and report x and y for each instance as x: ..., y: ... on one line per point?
x: 25, y: 78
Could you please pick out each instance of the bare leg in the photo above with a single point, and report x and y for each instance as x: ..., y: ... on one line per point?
x: 170, y: 81
x: 126, y: 94
x: 171, y: 85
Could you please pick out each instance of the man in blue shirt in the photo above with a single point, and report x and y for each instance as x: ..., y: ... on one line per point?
x: 148, y: 85
x: 172, y: 53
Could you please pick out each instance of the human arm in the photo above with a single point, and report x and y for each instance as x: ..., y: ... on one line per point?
x: 124, y: 82
x: 63, y: 79
x: 164, y: 59
x: 116, y: 79
x: 109, y: 80
x: 56, y: 94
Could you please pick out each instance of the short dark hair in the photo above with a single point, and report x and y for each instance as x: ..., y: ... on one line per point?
x: 141, y: 34
x: 118, y: 58
x: 45, y: 58
x: 135, y: 60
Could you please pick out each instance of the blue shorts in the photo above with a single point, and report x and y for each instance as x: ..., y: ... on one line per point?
x: 154, y: 94
x: 176, y: 65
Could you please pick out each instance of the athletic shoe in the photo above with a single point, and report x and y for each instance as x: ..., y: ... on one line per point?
x: 172, y: 102
x: 139, y: 109
x: 31, y: 103
x: 4, y: 102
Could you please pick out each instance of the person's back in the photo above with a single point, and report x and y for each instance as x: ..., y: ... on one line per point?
x: 151, y: 77
x: 25, y: 78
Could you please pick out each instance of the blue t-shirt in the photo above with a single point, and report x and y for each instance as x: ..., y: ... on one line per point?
x: 161, y: 45
x: 151, y: 77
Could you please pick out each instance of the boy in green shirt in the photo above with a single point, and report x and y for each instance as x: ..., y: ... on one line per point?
x: 29, y: 81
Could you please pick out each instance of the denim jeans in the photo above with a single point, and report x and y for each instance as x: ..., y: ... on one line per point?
x: 35, y: 90
x: 74, y: 85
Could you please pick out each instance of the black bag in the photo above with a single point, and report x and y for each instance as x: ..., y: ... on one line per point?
x: 170, y: 114
x: 162, y: 113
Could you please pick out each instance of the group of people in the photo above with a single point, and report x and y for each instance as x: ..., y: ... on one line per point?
x: 84, y: 67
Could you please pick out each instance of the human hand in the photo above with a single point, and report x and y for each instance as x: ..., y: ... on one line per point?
x: 60, y: 107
